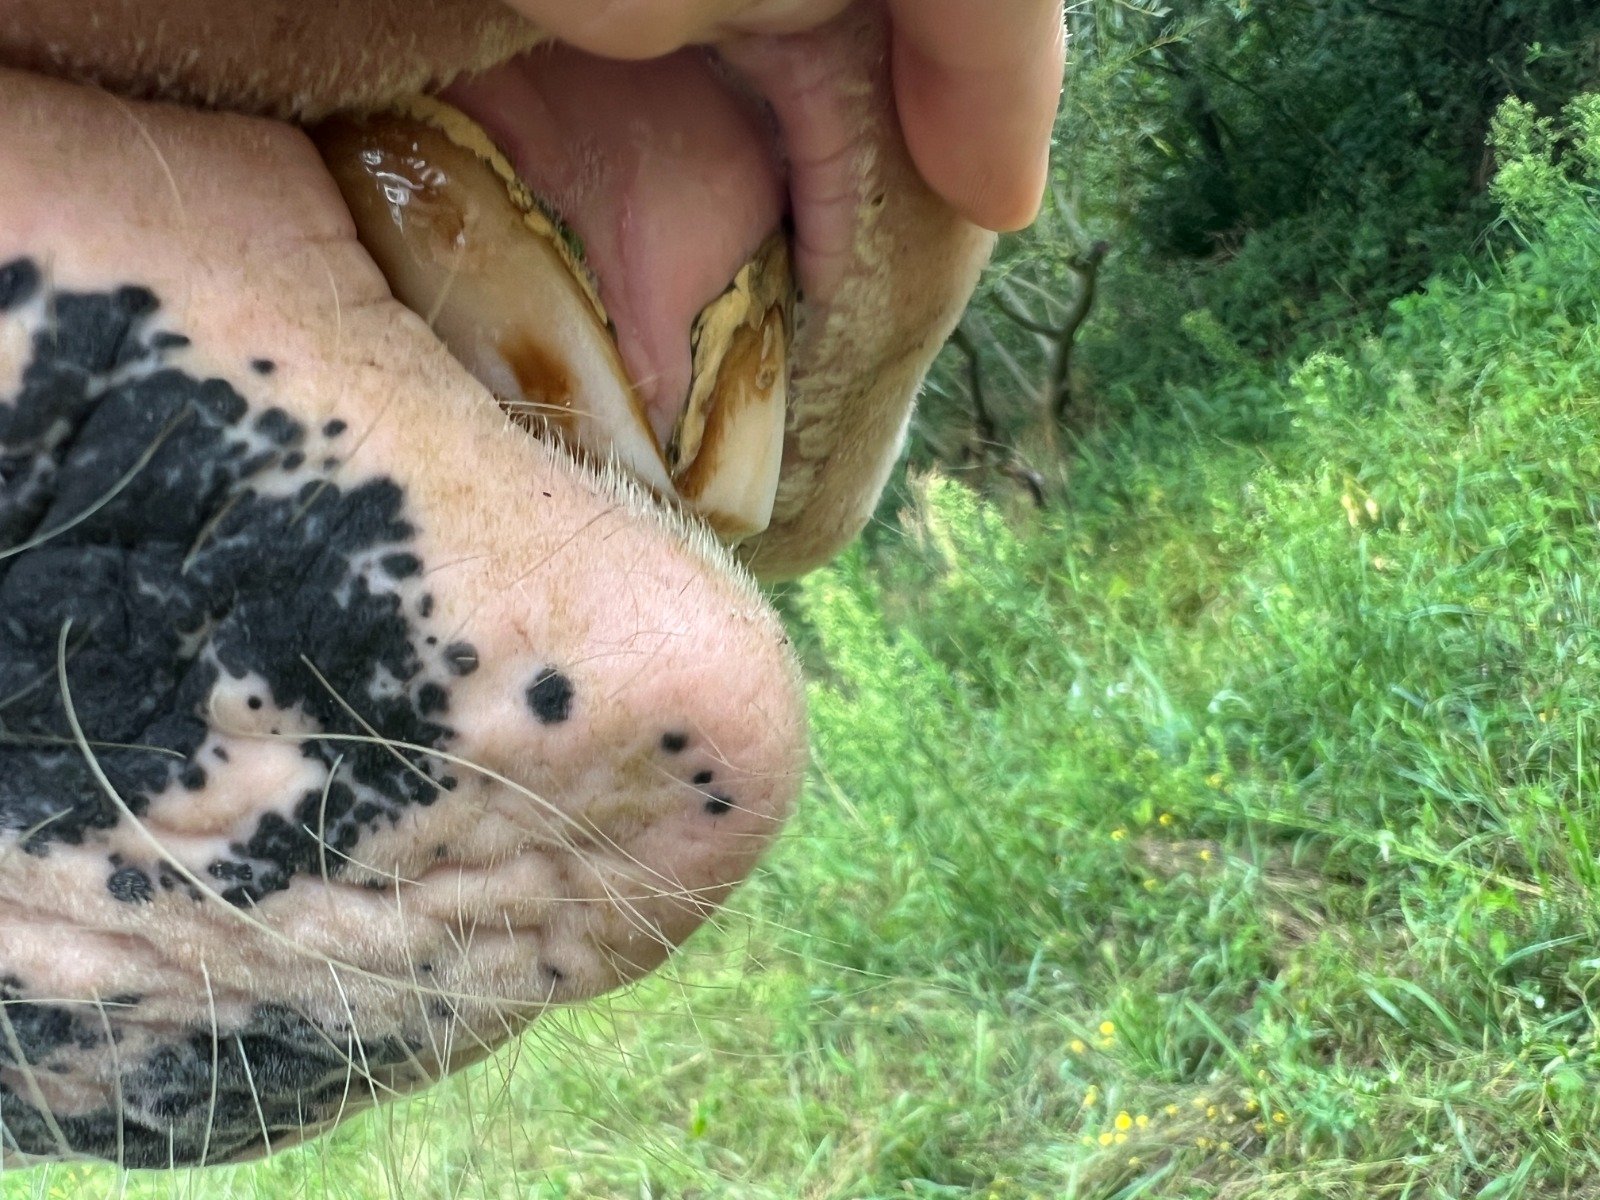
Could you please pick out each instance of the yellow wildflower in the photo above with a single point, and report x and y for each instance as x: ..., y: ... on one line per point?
x: 1123, y: 1122
x: 1171, y: 1110
x: 1120, y: 1138
x: 1076, y: 1046
x: 1118, y: 834
x: 1142, y: 1121
x: 1164, y: 819
x: 1107, y: 1029
x: 1105, y: 1139
x: 1281, y: 1118
x: 1205, y: 856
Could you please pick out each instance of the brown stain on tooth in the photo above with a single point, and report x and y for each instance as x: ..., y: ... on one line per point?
x: 547, y: 388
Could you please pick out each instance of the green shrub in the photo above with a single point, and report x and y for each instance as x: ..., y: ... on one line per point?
x: 1268, y: 177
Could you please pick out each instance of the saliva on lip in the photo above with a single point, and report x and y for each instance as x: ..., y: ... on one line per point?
x: 465, y: 245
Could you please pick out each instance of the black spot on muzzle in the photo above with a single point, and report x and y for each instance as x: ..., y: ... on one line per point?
x: 160, y: 535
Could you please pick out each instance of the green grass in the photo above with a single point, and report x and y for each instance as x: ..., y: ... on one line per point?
x: 1228, y: 832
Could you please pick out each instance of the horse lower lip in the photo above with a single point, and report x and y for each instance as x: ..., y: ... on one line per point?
x: 459, y: 761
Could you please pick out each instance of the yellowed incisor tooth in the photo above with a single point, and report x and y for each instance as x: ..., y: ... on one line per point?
x: 727, y: 450
x: 463, y: 244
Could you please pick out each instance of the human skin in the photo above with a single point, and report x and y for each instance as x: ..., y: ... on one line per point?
x: 345, y: 726
x: 976, y: 83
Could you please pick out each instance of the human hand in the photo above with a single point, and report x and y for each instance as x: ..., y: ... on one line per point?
x: 977, y: 83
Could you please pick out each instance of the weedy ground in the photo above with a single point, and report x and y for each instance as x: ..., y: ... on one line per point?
x: 1227, y: 831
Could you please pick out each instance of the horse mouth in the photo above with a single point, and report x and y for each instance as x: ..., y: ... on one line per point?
x: 619, y: 252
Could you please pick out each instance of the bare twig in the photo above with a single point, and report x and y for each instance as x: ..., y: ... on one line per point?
x: 1087, y: 267
x: 991, y: 448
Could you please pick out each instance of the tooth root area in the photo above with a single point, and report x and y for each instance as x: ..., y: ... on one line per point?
x: 727, y: 450
x: 462, y: 245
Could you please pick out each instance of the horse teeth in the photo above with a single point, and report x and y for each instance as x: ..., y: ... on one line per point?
x: 726, y: 452
x: 464, y: 244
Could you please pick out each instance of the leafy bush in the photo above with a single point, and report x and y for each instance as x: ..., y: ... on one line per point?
x: 1267, y: 176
